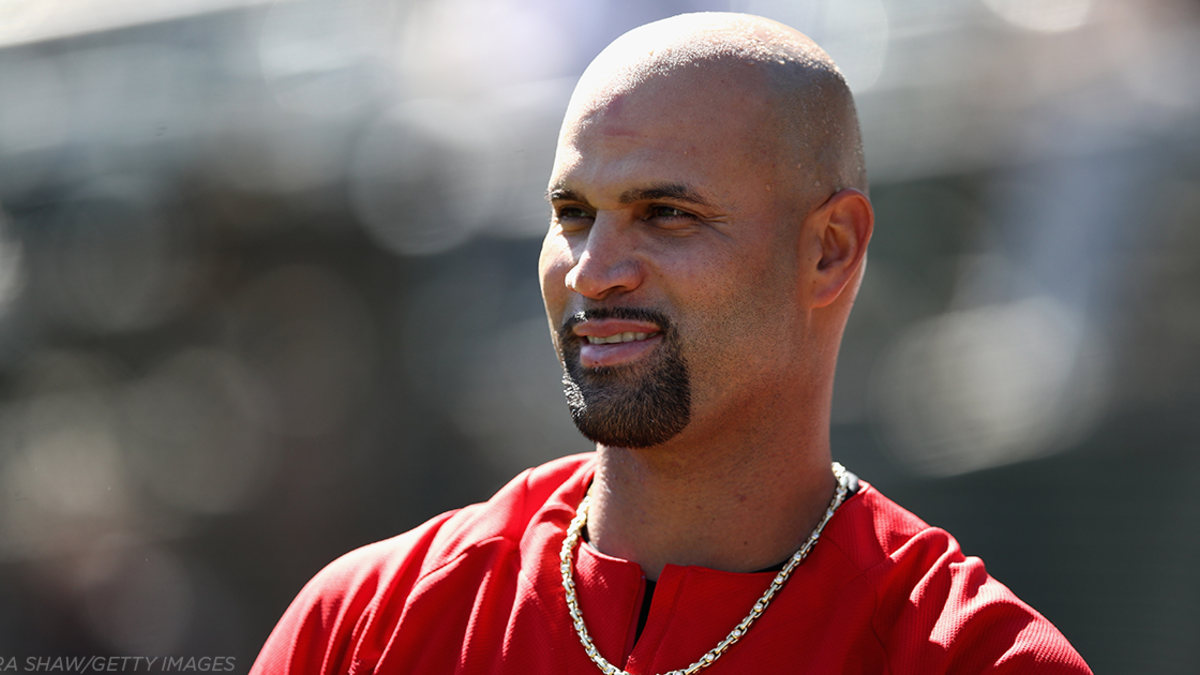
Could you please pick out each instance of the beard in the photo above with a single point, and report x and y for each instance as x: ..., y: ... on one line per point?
x: 628, y: 406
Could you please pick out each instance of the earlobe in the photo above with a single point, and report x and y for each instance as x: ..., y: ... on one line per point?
x: 842, y: 227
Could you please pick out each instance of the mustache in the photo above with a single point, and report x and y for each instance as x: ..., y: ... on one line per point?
x: 624, y: 313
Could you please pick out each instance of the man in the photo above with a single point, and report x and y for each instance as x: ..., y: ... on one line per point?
x: 708, y: 236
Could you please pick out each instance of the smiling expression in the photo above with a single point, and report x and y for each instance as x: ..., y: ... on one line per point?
x: 669, y: 206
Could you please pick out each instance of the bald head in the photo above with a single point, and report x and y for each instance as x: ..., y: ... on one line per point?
x: 809, y: 125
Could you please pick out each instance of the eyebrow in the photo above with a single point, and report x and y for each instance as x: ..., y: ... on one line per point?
x: 674, y: 191
x: 562, y: 194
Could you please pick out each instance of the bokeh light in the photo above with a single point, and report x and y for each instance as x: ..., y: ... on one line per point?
x: 1050, y: 16
x: 423, y: 178
x: 990, y: 386
x: 196, y: 436
x: 328, y: 58
x: 64, y: 478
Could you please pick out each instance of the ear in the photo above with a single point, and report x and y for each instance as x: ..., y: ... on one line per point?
x: 837, y: 234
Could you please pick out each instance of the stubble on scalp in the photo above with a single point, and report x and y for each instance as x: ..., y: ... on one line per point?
x: 814, y: 129
x: 627, y: 406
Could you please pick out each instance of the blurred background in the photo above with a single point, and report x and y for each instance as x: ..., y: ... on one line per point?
x: 268, y: 293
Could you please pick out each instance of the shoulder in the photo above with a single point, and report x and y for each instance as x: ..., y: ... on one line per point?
x: 871, y: 529
x: 933, y: 604
x: 365, y: 588
x: 508, y: 514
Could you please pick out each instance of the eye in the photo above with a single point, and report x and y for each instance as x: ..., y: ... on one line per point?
x: 572, y: 212
x: 663, y: 211
x: 572, y: 218
x: 667, y: 218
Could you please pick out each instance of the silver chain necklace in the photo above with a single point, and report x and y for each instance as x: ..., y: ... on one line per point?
x: 567, y: 558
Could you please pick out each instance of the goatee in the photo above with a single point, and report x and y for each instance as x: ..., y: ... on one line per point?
x: 628, y: 406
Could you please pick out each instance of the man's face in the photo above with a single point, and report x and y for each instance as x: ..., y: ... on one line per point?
x: 669, y: 271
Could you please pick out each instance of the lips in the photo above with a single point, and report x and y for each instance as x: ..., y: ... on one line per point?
x: 613, y: 342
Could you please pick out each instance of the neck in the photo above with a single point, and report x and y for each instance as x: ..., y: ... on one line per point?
x: 733, y: 507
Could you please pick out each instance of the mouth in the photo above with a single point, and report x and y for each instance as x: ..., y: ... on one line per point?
x: 614, y: 350
x: 607, y: 340
x: 618, y: 338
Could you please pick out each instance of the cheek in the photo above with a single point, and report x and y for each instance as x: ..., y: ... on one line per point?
x: 553, y: 265
x: 742, y: 314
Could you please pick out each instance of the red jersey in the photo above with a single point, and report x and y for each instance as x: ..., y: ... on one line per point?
x: 478, y: 591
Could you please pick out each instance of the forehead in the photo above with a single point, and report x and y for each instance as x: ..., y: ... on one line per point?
x: 701, y: 122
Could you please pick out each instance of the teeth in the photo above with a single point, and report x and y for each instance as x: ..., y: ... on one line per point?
x: 619, y: 337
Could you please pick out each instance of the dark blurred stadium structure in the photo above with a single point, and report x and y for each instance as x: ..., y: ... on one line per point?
x: 268, y: 293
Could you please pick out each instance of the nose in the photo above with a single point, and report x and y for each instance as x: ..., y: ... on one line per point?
x: 607, y: 264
